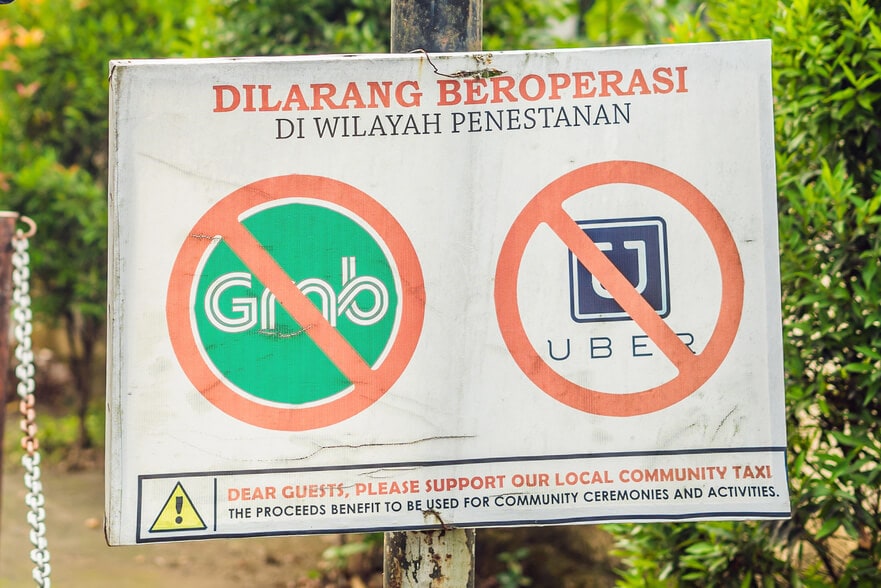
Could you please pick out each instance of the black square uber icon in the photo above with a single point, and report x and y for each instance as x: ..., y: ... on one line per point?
x: 638, y: 248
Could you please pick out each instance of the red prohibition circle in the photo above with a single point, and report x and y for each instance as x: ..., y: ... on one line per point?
x: 222, y: 220
x: 547, y: 208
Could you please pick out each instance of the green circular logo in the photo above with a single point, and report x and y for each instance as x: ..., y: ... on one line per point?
x: 253, y: 344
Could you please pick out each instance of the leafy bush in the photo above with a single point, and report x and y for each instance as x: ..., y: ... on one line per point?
x: 827, y: 86
x: 293, y: 27
x: 629, y: 22
x: 53, y: 144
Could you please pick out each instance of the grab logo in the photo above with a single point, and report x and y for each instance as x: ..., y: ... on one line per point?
x: 231, y: 312
x: 295, y: 303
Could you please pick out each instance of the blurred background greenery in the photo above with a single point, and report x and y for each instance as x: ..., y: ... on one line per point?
x: 827, y: 87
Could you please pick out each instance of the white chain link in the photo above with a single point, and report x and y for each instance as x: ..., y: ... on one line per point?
x: 24, y: 371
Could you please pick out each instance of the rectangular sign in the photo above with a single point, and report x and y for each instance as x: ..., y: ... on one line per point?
x: 358, y: 293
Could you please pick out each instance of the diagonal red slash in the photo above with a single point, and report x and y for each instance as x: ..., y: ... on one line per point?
x: 301, y: 309
x: 624, y: 293
x: 367, y: 384
x: 546, y: 208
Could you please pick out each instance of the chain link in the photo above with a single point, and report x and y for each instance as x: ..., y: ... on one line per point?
x: 24, y: 371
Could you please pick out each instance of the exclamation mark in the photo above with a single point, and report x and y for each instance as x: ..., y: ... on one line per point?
x: 178, y: 506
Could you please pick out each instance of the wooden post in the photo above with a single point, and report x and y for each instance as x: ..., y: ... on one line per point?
x: 437, y: 25
x: 429, y: 559
x: 445, y: 558
x: 7, y: 232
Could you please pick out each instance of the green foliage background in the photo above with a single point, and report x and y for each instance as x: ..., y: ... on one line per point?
x: 53, y: 147
x: 827, y: 87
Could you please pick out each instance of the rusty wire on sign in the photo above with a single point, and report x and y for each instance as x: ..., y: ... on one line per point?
x: 24, y: 371
x: 483, y: 72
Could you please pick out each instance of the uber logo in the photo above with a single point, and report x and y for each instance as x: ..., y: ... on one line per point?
x: 638, y: 248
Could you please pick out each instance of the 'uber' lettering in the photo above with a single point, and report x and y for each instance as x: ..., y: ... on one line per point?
x: 604, y: 347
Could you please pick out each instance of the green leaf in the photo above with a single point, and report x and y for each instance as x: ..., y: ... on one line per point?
x: 827, y: 528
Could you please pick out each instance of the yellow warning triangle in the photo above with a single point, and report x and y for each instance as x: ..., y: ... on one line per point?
x: 178, y: 514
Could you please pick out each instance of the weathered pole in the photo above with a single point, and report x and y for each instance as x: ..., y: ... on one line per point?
x: 437, y: 25
x: 7, y: 232
x: 445, y: 558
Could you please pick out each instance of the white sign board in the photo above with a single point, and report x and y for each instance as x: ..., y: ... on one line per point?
x: 405, y: 292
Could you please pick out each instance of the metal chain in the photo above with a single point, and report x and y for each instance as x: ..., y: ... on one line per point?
x: 24, y: 371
